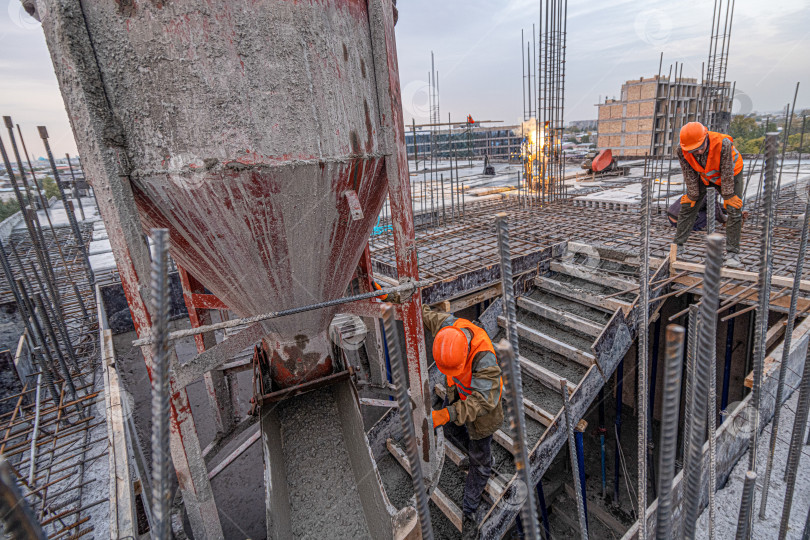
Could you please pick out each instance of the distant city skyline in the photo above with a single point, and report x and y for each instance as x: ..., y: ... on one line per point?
x: 476, y: 46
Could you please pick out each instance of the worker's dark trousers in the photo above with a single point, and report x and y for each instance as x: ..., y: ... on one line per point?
x: 688, y: 215
x: 480, y: 453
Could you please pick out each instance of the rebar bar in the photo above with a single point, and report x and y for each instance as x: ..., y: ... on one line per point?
x: 670, y: 407
x: 572, y: 451
x: 46, y: 321
x: 400, y: 379
x: 159, y: 296
x: 18, y: 519
x: 691, y: 351
x: 43, y: 133
x: 75, y: 187
x: 513, y: 385
x: 780, y: 386
x: 643, y: 357
x: 764, y: 287
x: 746, y: 504
x: 233, y: 323
x: 711, y: 198
x: 794, y: 450
x: 707, y: 334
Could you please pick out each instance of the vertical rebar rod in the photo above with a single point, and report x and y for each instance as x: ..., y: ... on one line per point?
x: 75, y: 187
x: 689, y: 393
x: 572, y: 451
x: 764, y: 288
x: 707, y: 333
x: 795, y: 448
x: 513, y: 386
x: 161, y: 493
x: 43, y: 133
x: 18, y: 519
x: 40, y: 307
x: 643, y: 357
x: 780, y: 386
x: 711, y: 199
x: 746, y: 503
x: 601, y: 429
x: 406, y: 418
x: 670, y: 408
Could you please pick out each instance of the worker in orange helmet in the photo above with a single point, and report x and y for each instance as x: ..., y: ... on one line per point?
x: 472, y: 409
x: 710, y: 159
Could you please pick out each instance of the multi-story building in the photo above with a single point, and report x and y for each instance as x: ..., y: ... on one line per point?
x: 643, y: 120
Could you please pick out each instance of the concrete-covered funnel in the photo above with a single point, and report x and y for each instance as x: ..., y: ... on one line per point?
x: 247, y: 125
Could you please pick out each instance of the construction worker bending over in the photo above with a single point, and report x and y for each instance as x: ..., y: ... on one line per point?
x: 472, y: 406
x: 709, y: 158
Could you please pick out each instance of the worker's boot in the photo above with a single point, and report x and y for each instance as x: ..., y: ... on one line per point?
x: 680, y: 251
x: 733, y: 261
x: 469, y: 527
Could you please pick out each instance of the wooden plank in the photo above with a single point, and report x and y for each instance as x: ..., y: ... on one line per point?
x: 775, y: 332
x: 563, y: 318
x: 537, y: 413
x: 748, y: 297
x: 548, y: 342
x: 588, y: 274
x: 742, y: 275
x: 543, y: 375
x: 445, y: 504
x: 464, y: 302
x: 589, y: 299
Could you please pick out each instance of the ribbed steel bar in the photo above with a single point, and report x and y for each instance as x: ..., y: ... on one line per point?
x: 572, y: 451
x: 780, y: 386
x: 400, y: 379
x: 233, y: 323
x: 18, y: 519
x: 161, y: 493
x: 670, y: 407
x: 746, y: 504
x: 711, y: 198
x: 643, y: 358
x: 795, y: 448
x: 46, y: 321
x: 689, y: 393
x: 513, y: 385
x: 707, y: 334
x: 75, y: 187
x: 43, y: 133
x: 764, y: 288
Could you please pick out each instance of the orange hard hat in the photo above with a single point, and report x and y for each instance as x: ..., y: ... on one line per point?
x: 692, y: 136
x: 450, y: 350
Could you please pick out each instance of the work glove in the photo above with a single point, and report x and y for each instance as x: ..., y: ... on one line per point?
x: 686, y: 200
x: 440, y: 417
x: 733, y: 201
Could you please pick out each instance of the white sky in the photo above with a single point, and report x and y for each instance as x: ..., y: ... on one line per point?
x: 477, y: 48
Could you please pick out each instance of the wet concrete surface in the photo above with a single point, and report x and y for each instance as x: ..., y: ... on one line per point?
x: 565, y: 335
x: 556, y: 302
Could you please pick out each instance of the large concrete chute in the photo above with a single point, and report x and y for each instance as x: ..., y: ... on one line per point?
x: 258, y: 136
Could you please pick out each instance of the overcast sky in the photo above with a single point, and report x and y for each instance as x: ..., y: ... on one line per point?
x: 477, y: 49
